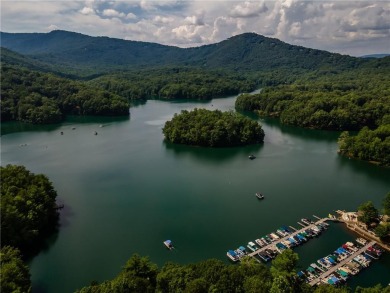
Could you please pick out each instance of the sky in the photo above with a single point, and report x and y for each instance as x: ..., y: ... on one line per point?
x: 349, y: 27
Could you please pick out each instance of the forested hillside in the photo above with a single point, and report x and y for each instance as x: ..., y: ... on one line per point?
x: 346, y: 100
x: 41, y: 98
x: 245, y: 52
x: 175, y: 83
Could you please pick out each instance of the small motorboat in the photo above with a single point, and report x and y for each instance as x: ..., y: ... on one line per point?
x: 168, y: 244
x: 259, y: 195
x: 251, y: 157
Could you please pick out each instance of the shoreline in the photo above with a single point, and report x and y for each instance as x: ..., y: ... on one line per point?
x: 350, y: 221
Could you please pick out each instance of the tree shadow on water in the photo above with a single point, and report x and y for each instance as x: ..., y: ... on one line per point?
x: 209, y: 154
x: 372, y: 171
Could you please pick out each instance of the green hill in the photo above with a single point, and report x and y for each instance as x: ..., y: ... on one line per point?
x: 245, y: 52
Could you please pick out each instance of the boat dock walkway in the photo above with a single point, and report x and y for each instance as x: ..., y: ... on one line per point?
x: 340, y: 264
x: 272, y: 245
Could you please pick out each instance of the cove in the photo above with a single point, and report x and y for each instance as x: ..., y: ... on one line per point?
x: 125, y: 191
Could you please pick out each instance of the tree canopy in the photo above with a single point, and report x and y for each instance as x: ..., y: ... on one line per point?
x: 369, y: 145
x: 15, y: 276
x: 249, y: 276
x: 42, y: 98
x: 28, y: 207
x: 203, y: 127
x: 368, y: 213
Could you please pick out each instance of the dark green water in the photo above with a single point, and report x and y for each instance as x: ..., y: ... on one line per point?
x: 126, y: 191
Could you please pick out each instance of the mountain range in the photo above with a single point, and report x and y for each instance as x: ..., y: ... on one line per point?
x: 72, y: 52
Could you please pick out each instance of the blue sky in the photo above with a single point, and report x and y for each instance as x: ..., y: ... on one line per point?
x: 348, y: 27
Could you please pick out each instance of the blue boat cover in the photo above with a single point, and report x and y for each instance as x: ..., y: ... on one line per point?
x: 242, y: 248
x: 232, y: 253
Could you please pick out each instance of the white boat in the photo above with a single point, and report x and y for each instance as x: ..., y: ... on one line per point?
x: 259, y: 195
x: 168, y: 244
x: 252, y: 246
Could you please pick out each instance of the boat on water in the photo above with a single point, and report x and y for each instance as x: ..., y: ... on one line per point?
x: 168, y: 244
x: 251, y: 157
x: 232, y: 255
x: 259, y: 195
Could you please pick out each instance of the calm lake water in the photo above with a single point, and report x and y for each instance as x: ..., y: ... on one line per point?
x: 125, y: 191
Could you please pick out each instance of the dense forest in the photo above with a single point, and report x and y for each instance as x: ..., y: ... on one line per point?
x: 82, y: 55
x: 201, y: 127
x: 28, y: 208
x: 368, y: 145
x: 175, y: 83
x: 29, y: 214
x: 42, y: 98
x: 15, y: 275
x: 347, y: 100
x: 324, y: 100
x: 141, y: 275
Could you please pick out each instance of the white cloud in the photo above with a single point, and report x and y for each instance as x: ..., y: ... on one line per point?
x: 87, y: 10
x: 354, y: 27
x: 52, y: 27
x: 194, y: 20
x: 113, y: 13
x: 162, y: 20
x: 248, y: 9
x: 131, y: 16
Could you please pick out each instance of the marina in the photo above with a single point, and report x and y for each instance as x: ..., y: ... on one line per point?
x: 283, y: 238
x: 334, y: 270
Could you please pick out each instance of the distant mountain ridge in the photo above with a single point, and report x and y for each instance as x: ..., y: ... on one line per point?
x: 375, y: 55
x: 247, y: 51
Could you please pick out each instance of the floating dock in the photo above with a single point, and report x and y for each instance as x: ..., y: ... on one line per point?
x: 333, y: 269
x: 273, y: 244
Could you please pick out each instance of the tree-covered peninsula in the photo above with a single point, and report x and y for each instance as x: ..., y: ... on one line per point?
x: 327, y: 99
x: 201, y: 127
x: 212, y: 275
x: 42, y: 98
x: 368, y: 145
x: 28, y: 208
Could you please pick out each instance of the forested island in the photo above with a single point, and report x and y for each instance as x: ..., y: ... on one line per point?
x: 201, y: 127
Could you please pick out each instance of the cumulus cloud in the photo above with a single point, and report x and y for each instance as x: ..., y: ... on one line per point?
x: 353, y: 27
x: 113, y: 13
x: 131, y: 16
x: 248, y: 9
x: 194, y: 20
x: 52, y: 27
x: 87, y: 10
x: 162, y: 20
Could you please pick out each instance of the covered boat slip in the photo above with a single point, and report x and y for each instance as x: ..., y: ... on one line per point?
x: 342, y: 263
x: 272, y: 244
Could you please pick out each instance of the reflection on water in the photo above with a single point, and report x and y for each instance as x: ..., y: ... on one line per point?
x: 211, y: 154
x: 377, y: 173
x: 17, y: 126
x: 125, y: 191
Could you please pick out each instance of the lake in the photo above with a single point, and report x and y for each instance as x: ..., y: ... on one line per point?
x: 125, y: 191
